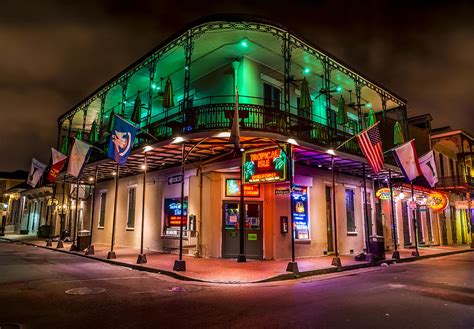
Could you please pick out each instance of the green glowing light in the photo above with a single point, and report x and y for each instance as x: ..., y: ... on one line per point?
x: 338, y: 89
x: 368, y: 105
x: 306, y: 70
x: 244, y: 43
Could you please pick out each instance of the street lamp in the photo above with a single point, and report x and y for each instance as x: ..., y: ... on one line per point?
x: 336, y: 261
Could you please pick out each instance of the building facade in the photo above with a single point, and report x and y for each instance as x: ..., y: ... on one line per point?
x: 292, y: 96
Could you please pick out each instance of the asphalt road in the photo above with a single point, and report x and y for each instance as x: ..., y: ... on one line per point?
x: 46, y: 289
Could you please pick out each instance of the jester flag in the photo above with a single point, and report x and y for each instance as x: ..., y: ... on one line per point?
x: 428, y: 167
x: 122, y: 139
x: 58, y: 160
x: 36, y: 171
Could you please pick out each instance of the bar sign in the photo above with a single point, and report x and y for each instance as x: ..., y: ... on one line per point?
x: 175, y: 179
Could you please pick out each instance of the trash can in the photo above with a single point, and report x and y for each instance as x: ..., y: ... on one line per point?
x: 83, y: 239
x: 377, y: 248
x: 43, y: 231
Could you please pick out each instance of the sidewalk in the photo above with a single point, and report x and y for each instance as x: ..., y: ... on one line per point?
x: 228, y: 270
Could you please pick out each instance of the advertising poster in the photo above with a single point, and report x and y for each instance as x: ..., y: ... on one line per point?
x: 173, y: 211
x: 300, y: 212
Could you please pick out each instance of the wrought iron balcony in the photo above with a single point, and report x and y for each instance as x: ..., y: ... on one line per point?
x: 455, y: 182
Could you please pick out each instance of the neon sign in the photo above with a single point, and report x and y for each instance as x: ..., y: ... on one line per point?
x: 233, y: 188
x: 300, y: 212
x: 173, y: 211
x: 268, y: 165
x: 383, y: 193
x: 437, y: 201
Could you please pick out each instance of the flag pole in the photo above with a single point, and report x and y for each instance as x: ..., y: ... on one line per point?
x: 180, y: 264
x: 396, y: 253
x: 292, y: 266
x: 74, y: 246
x: 242, y: 214
x: 90, y: 248
x: 111, y: 254
x: 142, y: 257
x: 415, y: 226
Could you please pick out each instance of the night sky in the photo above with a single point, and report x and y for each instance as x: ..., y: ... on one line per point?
x: 53, y: 54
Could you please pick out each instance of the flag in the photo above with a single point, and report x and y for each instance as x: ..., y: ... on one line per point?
x: 121, y: 140
x: 235, y: 130
x: 428, y: 168
x: 36, y: 171
x: 79, y: 155
x: 407, y: 159
x: 58, y: 160
x: 371, y: 145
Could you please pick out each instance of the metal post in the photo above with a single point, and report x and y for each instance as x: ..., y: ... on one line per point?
x: 142, y: 257
x: 242, y: 215
x: 396, y: 253
x: 49, y: 243
x: 28, y: 220
x: 180, y: 264
x: 369, y: 255
x: 292, y: 266
x: 90, y: 249
x: 336, y: 261
x: 415, y: 226
x: 74, y: 246
x: 358, y: 104
x: 62, y: 216
x: 111, y: 254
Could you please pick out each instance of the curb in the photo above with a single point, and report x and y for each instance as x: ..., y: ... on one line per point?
x: 280, y: 277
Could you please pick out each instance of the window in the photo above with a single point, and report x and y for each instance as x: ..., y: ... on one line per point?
x: 351, y: 228
x: 131, y: 207
x: 103, y: 201
x: 271, y: 96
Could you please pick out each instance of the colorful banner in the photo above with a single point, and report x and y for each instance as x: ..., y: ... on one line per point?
x: 36, y: 171
x: 407, y: 159
x: 58, y: 161
x: 268, y: 165
x: 428, y: 167
x: 121, y: 141
x: 79, y: 155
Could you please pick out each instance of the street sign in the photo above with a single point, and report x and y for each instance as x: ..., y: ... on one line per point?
x: 175, y: 179
x: 413, y: 205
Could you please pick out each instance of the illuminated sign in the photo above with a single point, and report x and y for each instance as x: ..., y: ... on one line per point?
x: 300, y: 212
x: 267, y: 165
x: 173, y: 211
x: 437, y: 201
x: 383, y: 193
x: 463, y: 204
x: 232, y: 188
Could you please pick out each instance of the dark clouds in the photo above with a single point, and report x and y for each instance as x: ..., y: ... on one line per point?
x: 55, y: 53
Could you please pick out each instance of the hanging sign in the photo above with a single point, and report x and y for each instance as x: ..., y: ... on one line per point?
x: 412, y: 205
x: 268, y: 165
x: 437, y: 201
x: 300, y: 212
x: 282, y: 190
x: 175, y: 179
x: 383, y: 193
x: 233, y: 188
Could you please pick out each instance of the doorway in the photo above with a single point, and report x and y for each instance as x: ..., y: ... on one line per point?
x: 329, y: 219
x: 253, y: 229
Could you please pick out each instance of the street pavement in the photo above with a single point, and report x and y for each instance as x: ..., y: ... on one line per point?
x: 40, y: 288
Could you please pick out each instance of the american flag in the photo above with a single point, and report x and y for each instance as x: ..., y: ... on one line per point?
x: 371, y: 145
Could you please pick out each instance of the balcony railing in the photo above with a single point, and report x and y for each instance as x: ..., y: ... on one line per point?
x: 455, y: 181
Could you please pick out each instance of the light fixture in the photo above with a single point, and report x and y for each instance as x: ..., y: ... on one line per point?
x: 223, y: 134
x: 244, y: 43
x: 147, y: 148
x: 114, y: 173
x: 91, y: 179
x: 177, y: 140
x: 143, y: 167
x: 401, y: 196
x: 331, y: 151
x: 368, y: 105
x: 338, y: 88
x: 320, y: 165
x: 292, y: 141
x: 242, y: 149
x: 306, y: 70
x: 330, y: 168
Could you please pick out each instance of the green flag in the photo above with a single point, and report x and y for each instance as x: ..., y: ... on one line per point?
x: 65, y: 145
x: 371, y: 118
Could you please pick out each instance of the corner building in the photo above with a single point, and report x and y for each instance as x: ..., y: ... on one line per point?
x: 291, y: 93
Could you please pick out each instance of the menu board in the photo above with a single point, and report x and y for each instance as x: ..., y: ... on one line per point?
x: 172, y: 209
x: 233, y: 187
x: 300, y: 212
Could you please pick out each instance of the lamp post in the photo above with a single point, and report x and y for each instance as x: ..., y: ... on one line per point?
x: 396, y: 253
x: 293, y: 265
x: 336, y: 261
x: 90, y: 248
x: 180, y: 264
x: 111, y: 253
x: 242, y: 214
x: 415, y: 225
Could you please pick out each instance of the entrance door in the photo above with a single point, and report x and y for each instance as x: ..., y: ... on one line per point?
x: 444, y: 230
x: 253, y: 230
x: 406, y: 225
